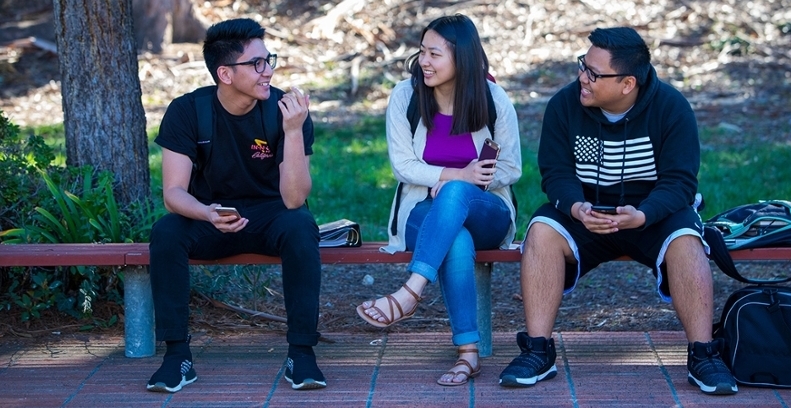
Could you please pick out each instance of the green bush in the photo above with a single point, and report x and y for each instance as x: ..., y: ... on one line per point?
x: 44, y: 203
x: 21, y: 158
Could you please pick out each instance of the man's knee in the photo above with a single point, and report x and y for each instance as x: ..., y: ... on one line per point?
x: 299, y: 224
x: 686, y: 253
x: 167, y: 232
x: 542, y: 238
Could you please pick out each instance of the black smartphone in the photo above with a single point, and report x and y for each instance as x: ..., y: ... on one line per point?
x: 604, y: 209
x: 490, y: 150
x: 225, y: 211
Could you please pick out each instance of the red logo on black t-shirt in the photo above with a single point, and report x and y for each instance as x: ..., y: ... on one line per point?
x: 261, y: 150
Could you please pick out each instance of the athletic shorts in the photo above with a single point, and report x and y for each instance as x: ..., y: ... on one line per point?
x: 646, y: 246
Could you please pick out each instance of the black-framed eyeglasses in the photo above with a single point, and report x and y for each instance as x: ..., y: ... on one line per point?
x: 258, y: 63
x: 592, y: 76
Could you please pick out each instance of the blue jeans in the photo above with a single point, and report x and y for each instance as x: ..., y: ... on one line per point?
x: 444, y: 233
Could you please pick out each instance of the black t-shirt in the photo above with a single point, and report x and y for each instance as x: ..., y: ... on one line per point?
x: 243, y: 163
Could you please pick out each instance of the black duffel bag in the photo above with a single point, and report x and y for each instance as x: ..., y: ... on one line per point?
x: 756, y: 326
x: 755, y: 323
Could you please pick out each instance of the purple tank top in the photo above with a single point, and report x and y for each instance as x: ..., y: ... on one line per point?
x: 444, y: 150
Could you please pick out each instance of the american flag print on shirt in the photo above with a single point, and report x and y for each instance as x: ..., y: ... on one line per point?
x: 604, y: 162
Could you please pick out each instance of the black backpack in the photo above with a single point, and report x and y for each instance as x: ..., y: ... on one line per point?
x: 755, y: 322
x: 763, y: 224
x: 756, y: 327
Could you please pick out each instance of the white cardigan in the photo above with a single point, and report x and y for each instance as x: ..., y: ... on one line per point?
x: 406, y: 159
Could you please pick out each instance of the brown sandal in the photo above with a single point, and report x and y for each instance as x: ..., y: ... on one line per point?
x: 474, y: 372
x: 391, y: 301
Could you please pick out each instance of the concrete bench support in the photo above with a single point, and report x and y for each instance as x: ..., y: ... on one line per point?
x: 139, y: 313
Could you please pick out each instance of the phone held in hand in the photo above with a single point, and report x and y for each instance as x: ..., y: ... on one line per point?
x: 225, y: 211
x: 490, y: 150
x: 604, y: 209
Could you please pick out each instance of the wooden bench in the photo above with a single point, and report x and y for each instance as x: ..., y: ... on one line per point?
x: 138, y: 304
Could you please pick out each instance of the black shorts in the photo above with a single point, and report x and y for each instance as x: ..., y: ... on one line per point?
x: 646, y: 246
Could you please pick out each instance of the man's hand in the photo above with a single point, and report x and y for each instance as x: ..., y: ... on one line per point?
x: 294, y: 106
x: 626, y: 217
x: 225, y: 223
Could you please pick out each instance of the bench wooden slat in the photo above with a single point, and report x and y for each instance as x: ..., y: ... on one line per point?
x: 63, y: 254
x: 137, y: 254
x: 764, y: 254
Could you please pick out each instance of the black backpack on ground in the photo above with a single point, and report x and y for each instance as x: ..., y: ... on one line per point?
x: 756, y: 327
x: 755, y: 323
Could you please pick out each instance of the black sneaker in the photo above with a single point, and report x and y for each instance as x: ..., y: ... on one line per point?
x: 176, y: 371
x: 707, y: 370
x: 536, y: 363
x: 303, y: 373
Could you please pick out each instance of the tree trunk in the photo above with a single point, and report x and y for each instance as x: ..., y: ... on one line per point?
x: 102, y: 109
x: 160, y: 22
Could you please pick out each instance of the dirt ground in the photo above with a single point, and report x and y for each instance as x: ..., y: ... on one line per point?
x: 733, y: 64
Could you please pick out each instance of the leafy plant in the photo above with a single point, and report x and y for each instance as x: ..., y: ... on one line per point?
x: 20, y: 160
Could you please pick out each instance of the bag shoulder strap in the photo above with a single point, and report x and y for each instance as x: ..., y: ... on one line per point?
x: 722, y: 257
x: 269, y: 113
x: 203, y: 108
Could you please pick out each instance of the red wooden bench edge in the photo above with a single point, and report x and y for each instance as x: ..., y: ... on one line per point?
x: 137, y: 254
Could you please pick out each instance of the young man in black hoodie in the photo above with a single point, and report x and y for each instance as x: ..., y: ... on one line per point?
x: 619, y: 139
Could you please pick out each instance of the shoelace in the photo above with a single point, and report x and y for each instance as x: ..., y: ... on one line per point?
x: 532, y: 359
x: 710, y: 364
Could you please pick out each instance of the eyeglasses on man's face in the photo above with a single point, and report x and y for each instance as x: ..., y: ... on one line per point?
x: 592, y: 76
x: 258, y: 63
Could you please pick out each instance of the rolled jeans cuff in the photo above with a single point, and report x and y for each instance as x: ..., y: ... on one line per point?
x: 423, y: 269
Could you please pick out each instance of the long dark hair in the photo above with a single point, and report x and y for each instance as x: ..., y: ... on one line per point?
x: 470, y: 112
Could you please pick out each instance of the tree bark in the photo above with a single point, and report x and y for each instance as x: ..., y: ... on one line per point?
x: 103, y: 113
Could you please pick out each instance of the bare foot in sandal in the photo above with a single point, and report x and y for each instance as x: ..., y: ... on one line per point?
x: 466, y: 367
x: 395, y: 307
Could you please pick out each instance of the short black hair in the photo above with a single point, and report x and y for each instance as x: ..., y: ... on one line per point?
x: 470, y: 112
x: 225, y: 42
x: 628, y: 52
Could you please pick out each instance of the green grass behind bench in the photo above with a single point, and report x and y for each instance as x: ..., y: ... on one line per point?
x: 352, y: 176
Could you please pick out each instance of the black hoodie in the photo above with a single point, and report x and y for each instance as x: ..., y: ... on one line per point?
x: 649, y: 159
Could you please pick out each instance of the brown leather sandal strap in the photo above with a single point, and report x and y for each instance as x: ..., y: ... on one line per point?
x: 468, y: 348
x: 392, y: 301
x: 381, y: 313
x: 459, y: 362
x: 412, y: 292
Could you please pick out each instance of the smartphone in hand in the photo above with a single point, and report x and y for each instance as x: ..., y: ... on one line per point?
x: 225, y: 211
x: 490, y: 150
x: 604, y: 209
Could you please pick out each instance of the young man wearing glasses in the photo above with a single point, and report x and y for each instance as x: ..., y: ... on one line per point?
x: 259, y: 166
x: 619, y: 157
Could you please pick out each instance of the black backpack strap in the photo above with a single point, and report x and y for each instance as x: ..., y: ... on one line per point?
x: 269, y: 112
x: 722, y: 257
x: 203, y: 108
x: 412, y: 113
x: 492, y: 111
